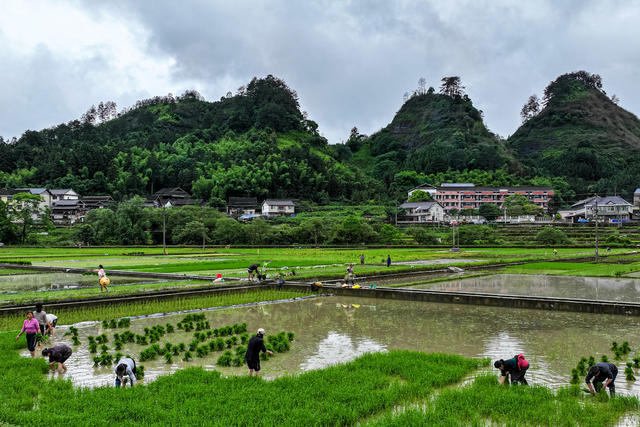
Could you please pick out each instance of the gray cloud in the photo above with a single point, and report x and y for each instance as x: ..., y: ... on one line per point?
x: 350, y: 61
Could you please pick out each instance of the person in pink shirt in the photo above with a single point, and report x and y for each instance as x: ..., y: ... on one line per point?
x: 30, y: 327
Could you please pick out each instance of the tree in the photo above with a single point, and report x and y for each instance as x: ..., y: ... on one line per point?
x: 8, y: 232
x: 389, y: 235
x: 423, y: 236
x: 518, y: 204
x: 451, y: 86
x: 27, y: 211
x: 422, y: 83
x: 257, y: 231
x: 420, y: 196
x: 552, y: 236
x: 489, y: 211
x: 133, y: 222
x: 531, y: 108
x: 228, y: 231
x: 191, y: 234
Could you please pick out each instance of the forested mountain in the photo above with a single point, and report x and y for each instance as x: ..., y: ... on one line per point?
x: 582, y: 135
x: 256, y: 142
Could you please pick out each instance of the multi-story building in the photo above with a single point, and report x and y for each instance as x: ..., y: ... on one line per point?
x: 609, y: 209
x: 272, y: 208
x: 421, y: 212
x: 467, y: 196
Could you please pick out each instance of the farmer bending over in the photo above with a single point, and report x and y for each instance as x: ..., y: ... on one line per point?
x: 600, y: 372
x: 127, y: 366
x: 58, y: 353
x: 253, y: 268
x: 515, y: 367
x: 256, y: 345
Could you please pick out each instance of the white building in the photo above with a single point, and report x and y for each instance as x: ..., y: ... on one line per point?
x: 422, y: 212
x: 278, y: 208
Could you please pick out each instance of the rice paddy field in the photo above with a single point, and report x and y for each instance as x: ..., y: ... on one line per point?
x: 344, y: 360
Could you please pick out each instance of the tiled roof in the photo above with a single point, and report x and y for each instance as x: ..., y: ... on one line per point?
x: 279, y: 202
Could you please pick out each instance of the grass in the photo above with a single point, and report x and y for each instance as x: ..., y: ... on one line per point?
x: 574, y: 269
x: 338, y: 395
x: 484, y: 403
x: 74, y: 315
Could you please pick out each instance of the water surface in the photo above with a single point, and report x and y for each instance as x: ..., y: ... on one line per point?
x: 336, y: 329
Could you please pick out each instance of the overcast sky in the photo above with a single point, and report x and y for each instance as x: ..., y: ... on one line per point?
x: 349, y: 61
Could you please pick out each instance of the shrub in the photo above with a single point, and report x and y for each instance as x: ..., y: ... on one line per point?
x: 552, y: 236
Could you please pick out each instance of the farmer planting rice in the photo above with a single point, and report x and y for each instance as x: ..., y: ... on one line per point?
x: 41, y: 316
x: 125, y: 366
x: 602, y: 372
x: 256, y: 345
x: 57, y: 354
x: 31, y: 328
x: 52, y: 321
x: 103, y: 279
x: 253, y: 268
x: 515, y: 367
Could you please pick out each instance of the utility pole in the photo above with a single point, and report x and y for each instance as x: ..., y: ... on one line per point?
x: 164, y: 231
x: 596, y: 228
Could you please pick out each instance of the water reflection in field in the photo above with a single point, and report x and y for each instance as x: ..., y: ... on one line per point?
x: 60, y: 281
x: 592, y: 288
x: 337, y: 329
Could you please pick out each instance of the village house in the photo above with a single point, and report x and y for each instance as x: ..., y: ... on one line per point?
x: 240, y: 206
x: 271, y: 208
x: 170, y: 197
x: 67, y: 211
x: 609, y: 209
x: 422, y: 212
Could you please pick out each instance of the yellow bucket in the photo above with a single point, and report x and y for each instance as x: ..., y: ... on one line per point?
x: 104, y: 281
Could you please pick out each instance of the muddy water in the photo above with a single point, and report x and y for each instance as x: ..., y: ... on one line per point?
x: 592, y: 288
x: 60, y: 281
x: 337, y: 329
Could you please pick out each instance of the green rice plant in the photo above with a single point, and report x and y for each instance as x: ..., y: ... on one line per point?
x: 209, y: 333
x: 237, y: 361
x: 220, y: 344
x: 141, y: 339
x: 228, y: 342
x: 117, y: 356
x: 75, y: 340
x: 187, y: 356
x: 193, y: 345
x: 279, y: 342
x: 628, y: 372
x: 582, y: 366
x: 244, y: 338
x: 168, y: 347
x: 102, y: 339
x: 159, y: 350
x: 194, y: 317
x: 225, y: 359
x: 625, y: 348
x: 148, y: 354
x: 104, y: 348
x: 239, y: 328
x: 636, y: 362
x: 212, y: 345
x: 96, y: 360
x: 128, y: 336
x: 170, y: 328
x: 72, y: 331
x: 182, y: 346
x: 106, y: 359
x: 116, y: 337
x: 604, y: 358
x: 202, y: 351
x: 93, y: 347
x: 113, y: 324
x: 139, y: 372
x: 575, y: 376
x: 291, y: 336
x: 168, y: 358
x: 105, y: 324
x: 125, y: 322
x: 592, y: 361
x: 241, y: 350
x: 614, y: 346
x: 216, y: 332
x: 175, y: 350
x: 118, y: 345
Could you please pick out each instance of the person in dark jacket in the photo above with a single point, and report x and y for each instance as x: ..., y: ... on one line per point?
x: 252, y: 270
x: 256, y: 345
x: 602, y: 372
x: 57, y: 354
x: 510, y: 368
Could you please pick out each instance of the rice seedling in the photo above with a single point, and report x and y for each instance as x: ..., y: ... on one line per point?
x: 220, y: 344
x: 104, y: 348
x: 93, y: 347
x: 628, y: 372
x: 604, y: 358
x: 241, y: 350
x: 175, y: 350
x: 125, y: 322
x: 187, y: 356
x: 170, y: 328
x: 117, y: 356
x: 244, y: 338
x: 168, y: 358
x: 202, y: 351
x: 636, y: 362
x: 118, y: 345
x: 225, y: 359
x: 237, y: 361
x: 139, y: 372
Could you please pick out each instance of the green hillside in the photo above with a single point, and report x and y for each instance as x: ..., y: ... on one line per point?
x: 583, y: 136
x: 254, y: 143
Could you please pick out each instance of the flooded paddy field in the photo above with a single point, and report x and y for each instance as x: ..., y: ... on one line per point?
x: 57, y: 281
x: 335, y: 329
x: 576, y: 287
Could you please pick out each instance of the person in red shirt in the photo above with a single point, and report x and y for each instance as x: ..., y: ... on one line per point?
x: 30, y: 327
